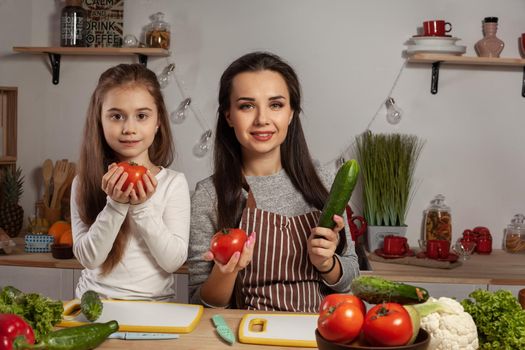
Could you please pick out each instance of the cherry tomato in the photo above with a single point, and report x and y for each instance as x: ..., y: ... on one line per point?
x: 338, y: 298
x: 135, y: 173
x: 387, y: 324
x: 341, y: 323
x: 226, y: 242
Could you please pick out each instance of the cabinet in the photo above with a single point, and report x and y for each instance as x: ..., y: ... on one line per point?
x: 55, y: 54
x: 437, y: 59
x: 8, y: 122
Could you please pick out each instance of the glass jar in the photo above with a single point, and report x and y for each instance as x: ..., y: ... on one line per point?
x: 438, y: 221
x: 73, y: 24
x: 158, y: 32
x: 514, y: 237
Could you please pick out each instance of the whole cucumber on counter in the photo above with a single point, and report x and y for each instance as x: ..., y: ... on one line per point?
x: 340, y: 193
x: 91, y: 305
x: 376, y: 290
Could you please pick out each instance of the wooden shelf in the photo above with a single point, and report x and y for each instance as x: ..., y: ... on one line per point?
x: 437, y: 59
x: 7, y: 160
x: 55, y: 54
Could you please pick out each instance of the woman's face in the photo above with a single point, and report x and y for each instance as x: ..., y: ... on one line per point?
x: 260, y: 113
x: 130, y: 120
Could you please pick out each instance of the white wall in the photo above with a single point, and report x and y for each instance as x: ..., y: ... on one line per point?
x: 347, y: 54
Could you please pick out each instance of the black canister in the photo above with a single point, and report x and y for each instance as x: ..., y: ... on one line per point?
x: 73, y: 24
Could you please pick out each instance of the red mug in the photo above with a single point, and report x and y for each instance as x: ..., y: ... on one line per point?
x: 438, y: 248
x: 355, y: 229
x: 395, y: 245
x: 436, y: 28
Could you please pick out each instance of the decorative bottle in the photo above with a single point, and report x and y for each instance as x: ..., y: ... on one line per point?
x: 72, y: 24
x: 158, y: 32
x: 490, y: 45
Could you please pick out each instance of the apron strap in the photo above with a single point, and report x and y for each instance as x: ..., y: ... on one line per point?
x: 250, y: 201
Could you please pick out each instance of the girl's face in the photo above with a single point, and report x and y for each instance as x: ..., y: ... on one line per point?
x: 130, y: 120
x: 260, y: 113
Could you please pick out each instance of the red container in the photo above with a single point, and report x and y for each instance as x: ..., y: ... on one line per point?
x: 484, y: 245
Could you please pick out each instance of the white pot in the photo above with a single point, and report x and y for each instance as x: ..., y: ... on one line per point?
x: 375, y: 235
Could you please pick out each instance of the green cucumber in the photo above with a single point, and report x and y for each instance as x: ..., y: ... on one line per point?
x: 376, y: 290
x: 340, y: 193
x: 84, y: 337
x: 91, y: 305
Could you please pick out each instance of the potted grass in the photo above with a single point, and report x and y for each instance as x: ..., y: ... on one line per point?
x: 387, y: 165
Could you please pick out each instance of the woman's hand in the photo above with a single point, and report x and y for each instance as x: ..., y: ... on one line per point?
x: 144, y: 192
x: 112, y: 183
x: 322, y: 244
x: 238, y: 261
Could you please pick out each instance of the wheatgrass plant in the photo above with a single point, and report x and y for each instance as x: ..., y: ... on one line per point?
x: 388, y: 162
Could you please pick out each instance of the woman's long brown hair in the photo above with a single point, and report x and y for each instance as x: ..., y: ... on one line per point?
x: 295, y: 157
x: 96, y: 155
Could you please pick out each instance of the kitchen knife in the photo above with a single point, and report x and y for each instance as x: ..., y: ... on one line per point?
x: 142, y: 336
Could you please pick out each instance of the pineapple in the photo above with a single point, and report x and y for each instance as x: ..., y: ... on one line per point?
x: 12, y: 214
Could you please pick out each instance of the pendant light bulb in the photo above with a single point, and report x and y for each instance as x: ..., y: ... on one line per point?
x: 203, y: 146
x: 393, y: 112
x: 179, y: 115
x: 164, y: 77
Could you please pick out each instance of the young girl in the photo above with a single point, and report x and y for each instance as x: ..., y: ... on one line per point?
x: 265, y: 182
x: 129, y: 239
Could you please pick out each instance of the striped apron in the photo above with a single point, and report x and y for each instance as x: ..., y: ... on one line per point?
x: 280, y: 276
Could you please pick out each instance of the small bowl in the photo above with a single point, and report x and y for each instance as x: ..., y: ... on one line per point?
x: 421, y: 343
x: 62, y: 251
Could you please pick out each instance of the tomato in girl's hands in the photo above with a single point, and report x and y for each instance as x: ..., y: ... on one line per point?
x: 338, y: 298
x: 226, y: 242
x: 341, y: 323
x: 135, y: 173
x: 387, y: 324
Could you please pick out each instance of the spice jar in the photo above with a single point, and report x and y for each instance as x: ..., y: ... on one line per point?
x: 484, y: 243
x: 158, y: 32
x: 438, y: 222
x: 514, y: 237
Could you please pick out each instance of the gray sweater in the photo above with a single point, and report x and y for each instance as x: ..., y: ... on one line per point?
x: 274, y: 193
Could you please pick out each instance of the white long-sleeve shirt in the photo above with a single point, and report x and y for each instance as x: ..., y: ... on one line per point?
x: 157, y: 246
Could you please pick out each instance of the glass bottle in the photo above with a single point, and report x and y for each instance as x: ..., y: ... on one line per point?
x: 514, y: 237
x: 72, y: 24
x: 438, y: 221
x: 158, y: 32
x: 490, y: 45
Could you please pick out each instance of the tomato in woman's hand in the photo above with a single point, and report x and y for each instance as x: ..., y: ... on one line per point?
x: 341, y: 323
x: 387, y: 324
x: 135, y: 173
x: 338, y: 298
x: 226, y: 242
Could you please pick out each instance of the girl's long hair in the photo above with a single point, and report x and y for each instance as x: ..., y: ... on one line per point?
x: 295, y: 157
x: 96, y: 155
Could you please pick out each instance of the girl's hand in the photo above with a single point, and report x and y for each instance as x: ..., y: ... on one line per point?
x: 322, y: 244
x: 144, y: 192
x: 112, y: 183
x: 238, y: 261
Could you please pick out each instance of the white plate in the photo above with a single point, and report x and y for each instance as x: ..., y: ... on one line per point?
x: 434, y: 40
x: 451, y: 49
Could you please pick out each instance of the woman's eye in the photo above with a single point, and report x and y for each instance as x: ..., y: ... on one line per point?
x: 276, y: 105
x: 245, y: 106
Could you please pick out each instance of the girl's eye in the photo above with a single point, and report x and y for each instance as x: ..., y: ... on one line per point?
x: 117, y: 116
x: 142, y: 116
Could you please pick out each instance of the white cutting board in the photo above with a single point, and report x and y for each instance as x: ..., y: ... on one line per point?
x: 279, y: 329
x: 139, y: 316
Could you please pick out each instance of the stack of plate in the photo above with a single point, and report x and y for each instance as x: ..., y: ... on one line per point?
x: 435, y: 44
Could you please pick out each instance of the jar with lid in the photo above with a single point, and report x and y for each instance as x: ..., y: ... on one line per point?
x: 158, y: 32
x: 437, y: 220
x: 73, y: 24
x: 514, y: 237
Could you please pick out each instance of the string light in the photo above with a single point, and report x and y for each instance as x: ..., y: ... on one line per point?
x: 203, y: 146
x: 393, y: 112
x: 164, y: 77
x: 179, y: 115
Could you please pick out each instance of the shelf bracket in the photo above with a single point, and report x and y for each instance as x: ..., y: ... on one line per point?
x: 143, y: 59
x: 54, y: 58
x: 435, y: 78
x: 523, y: 84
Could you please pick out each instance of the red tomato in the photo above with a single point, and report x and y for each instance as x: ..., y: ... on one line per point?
x: 387, y: 324
x: 338, y: 298
x: 341, y: 323
x: 135, y: 173
x: 226, y: 242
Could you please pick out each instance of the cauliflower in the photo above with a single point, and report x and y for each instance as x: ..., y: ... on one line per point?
x: 450, y: 327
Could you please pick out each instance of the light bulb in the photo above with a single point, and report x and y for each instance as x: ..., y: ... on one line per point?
x: 393, y: 112
x: 164, y: 77
x: 203, y: 146
x: 178, y: 115
x: 130, y: 40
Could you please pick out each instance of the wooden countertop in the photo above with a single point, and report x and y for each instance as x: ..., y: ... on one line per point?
x: 203, y: 336
x: 20, y: 258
